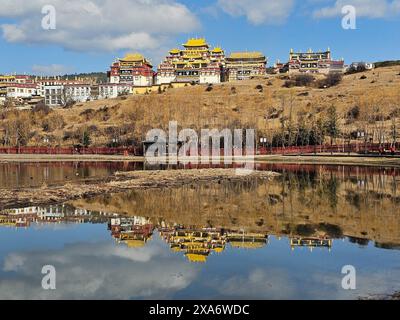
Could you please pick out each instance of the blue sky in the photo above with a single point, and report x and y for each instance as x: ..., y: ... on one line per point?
x: 89, y: 34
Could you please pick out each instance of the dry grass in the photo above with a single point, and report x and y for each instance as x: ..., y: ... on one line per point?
x: 259, y: 104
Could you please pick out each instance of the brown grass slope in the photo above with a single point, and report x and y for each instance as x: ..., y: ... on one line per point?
x: 260, y: 104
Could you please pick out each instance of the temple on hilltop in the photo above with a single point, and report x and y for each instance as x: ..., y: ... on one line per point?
x: 196, y: 63
x: 246, y: 65
x: 314, y: 62
x: 133, y: 69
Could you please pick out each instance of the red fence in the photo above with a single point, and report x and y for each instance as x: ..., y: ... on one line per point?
x: 346, y: 148
x: 294, y: 150
x: 69, y: 150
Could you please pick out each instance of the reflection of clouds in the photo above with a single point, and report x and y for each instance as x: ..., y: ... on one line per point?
x: 257, y: 284
x: 13, y: 263
x: 271, y: 283
x: 98, y: 271
x: 371, y: 283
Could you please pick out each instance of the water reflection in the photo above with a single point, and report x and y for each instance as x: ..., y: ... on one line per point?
x: 286, y: 238
x: 34, y: 174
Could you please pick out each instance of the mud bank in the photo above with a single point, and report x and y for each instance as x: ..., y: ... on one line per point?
x: 119, y: 182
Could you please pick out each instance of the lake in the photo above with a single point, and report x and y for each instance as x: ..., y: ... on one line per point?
x: 287, y: 238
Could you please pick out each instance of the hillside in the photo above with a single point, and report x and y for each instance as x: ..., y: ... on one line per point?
x: 364, y: 101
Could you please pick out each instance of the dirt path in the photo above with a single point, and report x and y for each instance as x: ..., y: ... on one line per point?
x: 120, y: 182
x: 333, y: 159
x: 65, y: 157
x: 306, y: 159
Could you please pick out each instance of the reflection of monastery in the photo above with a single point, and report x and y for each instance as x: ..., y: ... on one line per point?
x: 133, y: 231
x: 198, y: 244
x: 247, y: 240
x: 311, y: 243
x: 194, y: 242
x: 23, y: 217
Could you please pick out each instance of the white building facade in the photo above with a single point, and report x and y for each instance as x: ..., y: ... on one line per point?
x: 22, y: 90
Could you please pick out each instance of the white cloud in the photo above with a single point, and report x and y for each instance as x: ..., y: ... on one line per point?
x: 98, y: 25
x: 51, y: 70
x: 257, y: 284
x: 99, y: 271
x: 259, y: 11
x: 364, y: 8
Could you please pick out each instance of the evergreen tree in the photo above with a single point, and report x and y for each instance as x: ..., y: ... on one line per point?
x: 331, y: 124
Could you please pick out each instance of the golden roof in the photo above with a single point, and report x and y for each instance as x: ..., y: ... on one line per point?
x: 133, y: 57
x: 7, y: 224
x: 217, y: 50
x: 135, y: 243
x: 246, y: 55
x: 200, y: 258
x: 196, y: 42
x: 175, y: 51
x: 247, y: 245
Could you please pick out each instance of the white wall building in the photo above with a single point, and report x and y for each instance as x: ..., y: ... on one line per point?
x: 22, y: 90
x: 210, y: 75
x: 54, y: 95
x: 113, y: 90
x: 61, y: 94
x: 77, y: 92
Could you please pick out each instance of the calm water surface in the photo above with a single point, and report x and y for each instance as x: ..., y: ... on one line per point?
x: 287, y: 238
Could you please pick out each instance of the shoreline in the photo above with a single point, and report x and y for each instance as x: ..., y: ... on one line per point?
x: 361, y: 160
x: 347, y: 160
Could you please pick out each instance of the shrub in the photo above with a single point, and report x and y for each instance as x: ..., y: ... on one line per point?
x: 353, y: 113
x: 332, y: 79
x: 304, y: 80
x: 68, y: 135
x: 303, y: 94
x: 356, y: 69
x: 69, y: 104
x: 87, y: 114
x: 301, y: 80
x: 53, y: 122
x: 41, y: 107
x: 289, y: 83
x: 273, y: 113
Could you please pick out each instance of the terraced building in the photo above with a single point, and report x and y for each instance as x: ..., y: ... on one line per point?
x: 196, y: 63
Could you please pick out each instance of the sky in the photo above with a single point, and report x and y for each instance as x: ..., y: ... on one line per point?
x: 51, y: 37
